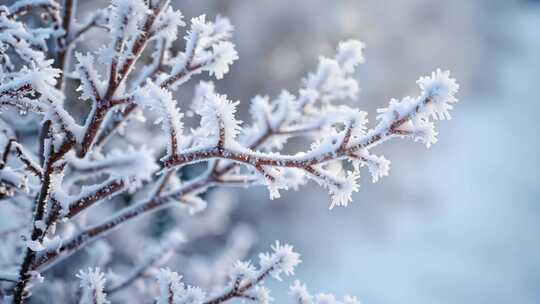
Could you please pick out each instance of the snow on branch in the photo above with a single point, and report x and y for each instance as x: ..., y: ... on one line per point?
x: 91, y: 85
x: 62, y: 170
x: 246, y: 280
x: 12, y: 179
x: 126, y: 20
x: 126, y: 170
x: 301, y: 295
x: 39, y: 81
x: 173, y: 291
x: 332, y: 148
x: 92, y: 285
x: 333, y: 78
x: 131, y: 164
x: 24, y: 156
x: 22, y: 7
x: 219, y: 127
x: 409, y: 117
x: 160, y: 100
x: 207, y: 49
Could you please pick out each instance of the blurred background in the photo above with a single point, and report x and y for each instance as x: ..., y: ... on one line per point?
x: 457, y: 223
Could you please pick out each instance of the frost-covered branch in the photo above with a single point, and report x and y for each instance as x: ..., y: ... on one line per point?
x: 245, y: 279
x: 61, y: 173
x: 301, y: 295
x: 246, y: 283
x: 408, y: 117
x: 23, y: 155
x: 207, y: 49
x: 173, y: 291
x: 92, y: 285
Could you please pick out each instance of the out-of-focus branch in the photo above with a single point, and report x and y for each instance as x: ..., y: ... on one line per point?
x: 63, y: 56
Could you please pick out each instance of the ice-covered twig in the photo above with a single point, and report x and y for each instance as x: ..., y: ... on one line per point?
x: 408, y: 117
x: 30, y: 165
x: 244, y: 277
x: 92, y: 284
x: 436, y: 89
x: 173, y: 291
x: 390, y: 124
x: 22, y: 7
x: 207, y: 49
x: 76, y: 169
x: 301, y: 295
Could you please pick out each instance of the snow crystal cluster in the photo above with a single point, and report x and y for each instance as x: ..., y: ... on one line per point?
x: 299, y: 292
x: 92, y: 285
x: 172, y: 290
x: 71, y: 176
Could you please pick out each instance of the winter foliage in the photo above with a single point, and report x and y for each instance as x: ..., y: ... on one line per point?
x: 70, y: 168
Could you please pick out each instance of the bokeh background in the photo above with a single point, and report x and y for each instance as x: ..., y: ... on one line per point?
x: 457, y: 223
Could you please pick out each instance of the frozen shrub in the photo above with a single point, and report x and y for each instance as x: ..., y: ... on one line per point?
x: 72, y: 167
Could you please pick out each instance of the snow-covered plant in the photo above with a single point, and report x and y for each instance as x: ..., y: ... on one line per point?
x: 65, y: 176
x: 301, y: 295
x: 92, y: 285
